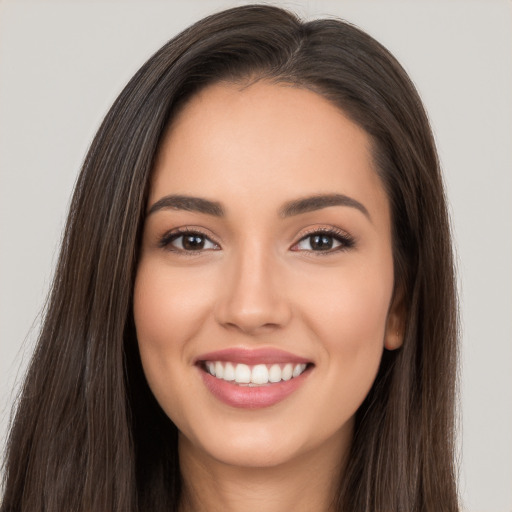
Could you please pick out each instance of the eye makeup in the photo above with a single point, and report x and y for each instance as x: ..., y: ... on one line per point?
x: 191, y: 240
x: 320, y: 241
x: 326, y: 240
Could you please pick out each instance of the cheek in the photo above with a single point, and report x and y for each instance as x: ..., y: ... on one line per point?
x: 348, y: 315
x: 352, y: 303
x: 168, y: 311
x: 168, y: 307
x: 352, y: 328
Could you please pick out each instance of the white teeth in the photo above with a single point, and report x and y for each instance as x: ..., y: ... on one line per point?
x: 211, y: 367
x: 274, y: 374
x: 229, y: 372
x: 299, y: 368
x: 286, y: 373
x: 258, y: 375
x: 219, y: 370
x: 242, y: 373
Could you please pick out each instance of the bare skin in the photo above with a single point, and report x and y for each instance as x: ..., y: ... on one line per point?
x: 257, y: 265
x: 302, y: 485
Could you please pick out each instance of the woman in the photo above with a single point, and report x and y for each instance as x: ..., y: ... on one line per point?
x: 254, y: 305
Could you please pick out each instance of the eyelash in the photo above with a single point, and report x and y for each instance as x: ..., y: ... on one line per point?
x: 166, y: 241
x: 345, y: 240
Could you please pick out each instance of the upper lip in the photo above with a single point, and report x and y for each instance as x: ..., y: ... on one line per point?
x: 252, y: 356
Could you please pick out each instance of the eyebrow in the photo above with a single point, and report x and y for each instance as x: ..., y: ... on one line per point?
x: 317, y: 202
x: 289, y: 209
x: 188, y: 203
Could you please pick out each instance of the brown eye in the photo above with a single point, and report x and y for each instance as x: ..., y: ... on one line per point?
x: 321, y: 242
x: 324, y: 242
x: 193, y: 242
x: 188, y: 241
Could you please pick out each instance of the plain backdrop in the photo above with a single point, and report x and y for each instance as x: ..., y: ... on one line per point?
x: 63, y: 63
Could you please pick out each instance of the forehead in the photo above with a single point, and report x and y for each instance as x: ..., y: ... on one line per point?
x: 265, y: 140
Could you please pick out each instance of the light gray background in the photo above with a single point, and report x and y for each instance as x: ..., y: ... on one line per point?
x: 63, y: 63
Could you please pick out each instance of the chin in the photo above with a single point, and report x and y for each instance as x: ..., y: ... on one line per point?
x: 251, y: 452
x: 263, y: 445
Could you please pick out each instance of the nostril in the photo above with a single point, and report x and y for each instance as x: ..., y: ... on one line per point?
x: 251, y: 303
x: 251, y: 326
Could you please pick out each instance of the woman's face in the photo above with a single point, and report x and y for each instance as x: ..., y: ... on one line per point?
x: 263, y: 292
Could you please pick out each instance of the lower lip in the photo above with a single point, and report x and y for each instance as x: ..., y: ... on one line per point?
x: 256, y: 397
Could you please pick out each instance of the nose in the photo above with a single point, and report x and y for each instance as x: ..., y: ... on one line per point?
x: 253, y: 299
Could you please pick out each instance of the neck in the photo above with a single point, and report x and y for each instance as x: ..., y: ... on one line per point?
x: 306, y: 483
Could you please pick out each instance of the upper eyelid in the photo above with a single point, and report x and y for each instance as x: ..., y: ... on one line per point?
x: 328, y: 230
x: 346, y: 240
x: 175, y: 233
x: 184, y: 230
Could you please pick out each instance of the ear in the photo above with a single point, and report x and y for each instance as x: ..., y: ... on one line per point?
x: 395, y: 324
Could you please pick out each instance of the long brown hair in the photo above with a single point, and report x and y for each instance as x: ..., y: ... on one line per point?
x: 88, y: 434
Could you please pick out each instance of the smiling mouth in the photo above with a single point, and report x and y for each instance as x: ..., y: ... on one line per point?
x: 253, y: 375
